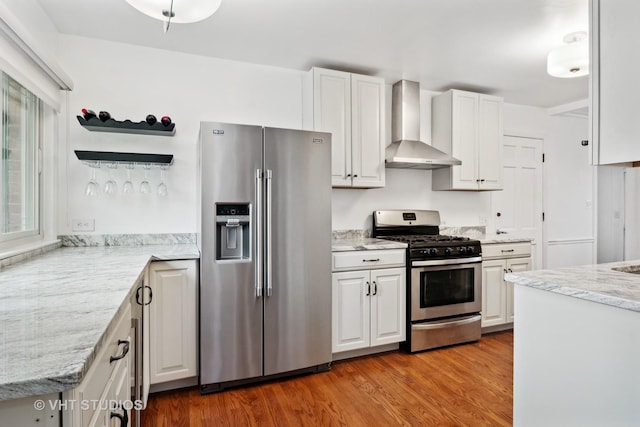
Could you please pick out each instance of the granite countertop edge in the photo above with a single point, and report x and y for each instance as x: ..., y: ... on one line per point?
x: 69, y: 375
x: 598, y: 283
x: 364, y: 244
x: 502, y: 238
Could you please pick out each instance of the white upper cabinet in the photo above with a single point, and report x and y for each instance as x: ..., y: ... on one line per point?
x: 468, y: 126
x: 350, y: 107
x: 615, y: 128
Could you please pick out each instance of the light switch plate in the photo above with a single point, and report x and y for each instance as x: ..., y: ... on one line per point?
x: 83, y: 224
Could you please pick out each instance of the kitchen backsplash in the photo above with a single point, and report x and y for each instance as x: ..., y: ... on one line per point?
x: 127, y: 239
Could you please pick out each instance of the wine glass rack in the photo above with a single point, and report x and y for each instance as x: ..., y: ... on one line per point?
x: 97, y: 157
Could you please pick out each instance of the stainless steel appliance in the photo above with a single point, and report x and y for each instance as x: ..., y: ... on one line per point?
x: 444, y: 275
x: 265, y: 242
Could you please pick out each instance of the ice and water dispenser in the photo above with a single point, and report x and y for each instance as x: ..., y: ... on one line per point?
x: 233, y: 232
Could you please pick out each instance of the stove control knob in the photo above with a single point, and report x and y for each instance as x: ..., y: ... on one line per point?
x: 447, y: 251
x: 463, y: 250
x: 470, y: 250
x: 433, y: 251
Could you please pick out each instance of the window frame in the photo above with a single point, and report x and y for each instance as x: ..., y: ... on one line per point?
x: 13, y: 240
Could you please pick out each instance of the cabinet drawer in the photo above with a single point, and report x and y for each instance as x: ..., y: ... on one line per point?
x: 366, y: 260
x: 506, y: 250
x: 96, y: 381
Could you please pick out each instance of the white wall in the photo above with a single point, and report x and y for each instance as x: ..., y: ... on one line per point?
x: 131, y: 82
x: 611, y: 213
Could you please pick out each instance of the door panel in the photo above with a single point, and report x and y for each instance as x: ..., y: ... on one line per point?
x: 520, y: 201
x: 493, y: 292
x: 388, y: 305
x: 231, y: 314
x: 297, y: 321
x: 350, y: 310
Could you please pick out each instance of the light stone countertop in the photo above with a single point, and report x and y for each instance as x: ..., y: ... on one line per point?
x: 364, y: 244
x: 486, y: 239
x: 598, y: 283
x: 56, y: 310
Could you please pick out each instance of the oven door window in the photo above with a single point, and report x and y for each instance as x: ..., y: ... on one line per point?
x: 446, y: 287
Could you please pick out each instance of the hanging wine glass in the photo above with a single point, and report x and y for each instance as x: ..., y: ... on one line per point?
x: 111, y: 187
x: 145, y: 187
x: 93, y: 188
x: 127, y: 187
x: 162, y: 187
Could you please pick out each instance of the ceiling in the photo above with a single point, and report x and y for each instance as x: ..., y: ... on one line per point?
x: 490, y: 46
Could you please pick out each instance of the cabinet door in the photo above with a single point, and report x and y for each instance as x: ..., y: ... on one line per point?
x: 173, y: 321
x: 464, y: 134
x: 614, y: 92
x: 367, y: 131
x: 350, y: 310
x: 493, y: 293
x: 489, y: 147
x: 120, y: 392
x: 332, y: 113
x: 513, y: 266
x: 388, y: 305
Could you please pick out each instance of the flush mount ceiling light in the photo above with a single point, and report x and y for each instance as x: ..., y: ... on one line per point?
x: 571, y: 59
x: 178, y: 11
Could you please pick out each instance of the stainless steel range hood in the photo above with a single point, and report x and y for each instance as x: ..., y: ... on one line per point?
x: 406, y: 150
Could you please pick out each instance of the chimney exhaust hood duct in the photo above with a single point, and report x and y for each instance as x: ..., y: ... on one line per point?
x: 406, y: 150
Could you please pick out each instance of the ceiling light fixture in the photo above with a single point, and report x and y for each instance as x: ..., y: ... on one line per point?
x: 178, y: 11
x: 571, y: 59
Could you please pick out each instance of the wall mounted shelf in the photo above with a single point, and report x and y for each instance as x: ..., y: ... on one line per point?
x: 127, y: 126
x: 119, y: 157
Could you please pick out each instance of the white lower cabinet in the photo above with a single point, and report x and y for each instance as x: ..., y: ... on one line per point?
x: 173, y: 318
x: 369, y: 306
x: 104, y: 396
x: 497, y: 294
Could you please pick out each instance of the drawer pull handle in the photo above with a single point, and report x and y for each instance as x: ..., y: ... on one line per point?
x: 371, y: 260
x: 125, y: 351
x: 142, y: 288
x: 124, y: 418
x: 508, y: 250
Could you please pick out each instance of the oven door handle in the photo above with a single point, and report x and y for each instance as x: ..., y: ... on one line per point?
x: 438, y: 262
x: 446, y: 323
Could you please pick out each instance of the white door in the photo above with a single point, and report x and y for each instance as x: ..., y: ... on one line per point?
x: 388, y: 306
x: 464, y: 144
x: 517, y: 209
x: 493, y: 292
x: 350, y: 310
x: 490, y: 142
x: 367, y: 131
x: 332, y: 113
x: 173, y: 321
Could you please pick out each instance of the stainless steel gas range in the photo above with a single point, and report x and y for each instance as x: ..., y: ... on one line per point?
x: 444, y: 279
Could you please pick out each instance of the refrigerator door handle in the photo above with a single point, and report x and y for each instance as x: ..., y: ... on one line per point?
x: 268, y: 223
x: 258, y: 234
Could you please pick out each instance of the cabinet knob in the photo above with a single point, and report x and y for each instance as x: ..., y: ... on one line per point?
x: 355, y: 176
x: 348, y: 175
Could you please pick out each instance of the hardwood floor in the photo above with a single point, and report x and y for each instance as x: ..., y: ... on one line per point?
x: 465, y: 385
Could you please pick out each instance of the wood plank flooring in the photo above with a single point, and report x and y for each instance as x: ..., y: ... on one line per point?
x: 465, y: 385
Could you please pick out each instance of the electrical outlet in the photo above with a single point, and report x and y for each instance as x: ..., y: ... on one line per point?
x: 83, y: 224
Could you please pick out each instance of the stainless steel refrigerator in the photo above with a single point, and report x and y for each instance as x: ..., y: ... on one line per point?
x: 265, y: 242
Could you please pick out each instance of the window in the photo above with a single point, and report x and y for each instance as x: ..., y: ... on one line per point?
x: 19, y: 171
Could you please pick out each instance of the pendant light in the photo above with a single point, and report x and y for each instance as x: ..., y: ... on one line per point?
x: 571, y: 59
x: 178, y: 11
